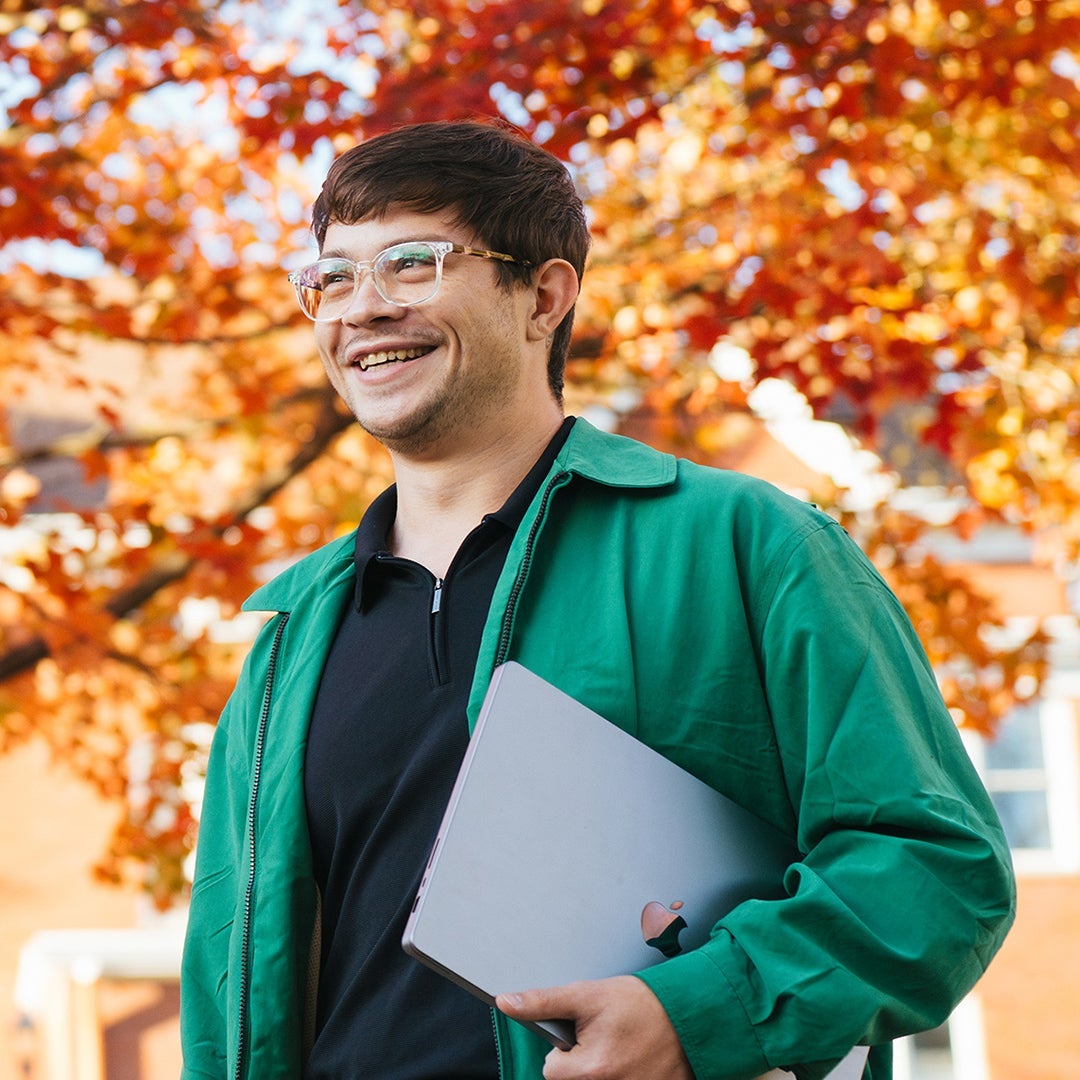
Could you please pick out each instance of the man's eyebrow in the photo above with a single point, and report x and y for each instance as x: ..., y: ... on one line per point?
x: 341, y: 253
x: 335, y: 253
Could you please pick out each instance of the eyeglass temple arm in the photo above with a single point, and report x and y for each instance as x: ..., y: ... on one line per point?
x: 462, y: 249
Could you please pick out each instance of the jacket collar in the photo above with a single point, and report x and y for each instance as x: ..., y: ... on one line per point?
x: 614, y: 460
x: 588, y: 453
x: 327, y: 568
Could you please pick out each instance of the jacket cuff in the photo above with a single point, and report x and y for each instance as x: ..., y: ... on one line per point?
x: 709, y: 1019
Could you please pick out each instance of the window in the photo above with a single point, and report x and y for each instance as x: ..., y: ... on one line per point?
x: 1030, y: 770
x: 954, y: 1051
x: 925, y: 1056
x: 1014, y: 770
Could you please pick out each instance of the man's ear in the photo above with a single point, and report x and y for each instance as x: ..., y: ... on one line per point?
x: 555, y: 288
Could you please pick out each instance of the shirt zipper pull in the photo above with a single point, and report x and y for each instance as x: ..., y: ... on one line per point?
x: 436, y: 599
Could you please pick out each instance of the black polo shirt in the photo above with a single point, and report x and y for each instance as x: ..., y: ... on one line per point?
x: 388, y: 733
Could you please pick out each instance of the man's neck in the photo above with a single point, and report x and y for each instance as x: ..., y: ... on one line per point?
x: 440, y: 501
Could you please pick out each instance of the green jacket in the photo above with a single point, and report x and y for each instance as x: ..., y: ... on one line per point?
x: 737, y: 631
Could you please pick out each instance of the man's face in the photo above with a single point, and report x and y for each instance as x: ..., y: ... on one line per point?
x: 435, y: 373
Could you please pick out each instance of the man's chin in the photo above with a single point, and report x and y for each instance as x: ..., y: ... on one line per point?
x: 413, y: 435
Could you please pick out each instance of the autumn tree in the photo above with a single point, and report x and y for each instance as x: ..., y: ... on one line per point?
x: 875, y: 202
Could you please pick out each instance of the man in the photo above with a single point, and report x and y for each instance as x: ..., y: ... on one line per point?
x: 734, y: 629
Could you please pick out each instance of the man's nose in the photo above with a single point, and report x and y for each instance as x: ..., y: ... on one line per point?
x: 367, y: 302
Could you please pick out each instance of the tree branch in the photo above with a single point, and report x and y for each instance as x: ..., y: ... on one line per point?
x: 99, y: 437
x: 174, y: 566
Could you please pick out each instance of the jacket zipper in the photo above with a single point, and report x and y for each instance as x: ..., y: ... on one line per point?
x: 523, y: 571
x: 249, y: 891
x: 498, y: 1045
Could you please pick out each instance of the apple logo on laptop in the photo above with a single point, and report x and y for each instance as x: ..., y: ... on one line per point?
x: 660, y: 926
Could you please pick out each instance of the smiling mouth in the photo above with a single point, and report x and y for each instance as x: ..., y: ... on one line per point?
x: 391, y: 356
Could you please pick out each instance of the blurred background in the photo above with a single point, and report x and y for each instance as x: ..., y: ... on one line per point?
x: 836, y: 246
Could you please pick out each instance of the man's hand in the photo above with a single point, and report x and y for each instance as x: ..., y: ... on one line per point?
x: 623, y: 1032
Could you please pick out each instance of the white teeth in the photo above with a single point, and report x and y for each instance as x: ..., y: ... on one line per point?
x: 375, y: 359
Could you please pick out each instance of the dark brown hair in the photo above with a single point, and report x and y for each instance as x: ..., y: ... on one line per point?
x: 511, y: 194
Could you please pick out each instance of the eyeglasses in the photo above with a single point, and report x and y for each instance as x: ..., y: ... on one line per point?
x: 404, y: 275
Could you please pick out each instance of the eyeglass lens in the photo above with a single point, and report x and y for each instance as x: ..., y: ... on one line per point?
x: 404, y: 274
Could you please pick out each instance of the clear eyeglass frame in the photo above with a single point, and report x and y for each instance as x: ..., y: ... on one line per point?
x: 404, y: 275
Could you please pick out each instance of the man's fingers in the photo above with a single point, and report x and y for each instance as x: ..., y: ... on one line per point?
x: 622, y: 1030
x: 557, y: 1003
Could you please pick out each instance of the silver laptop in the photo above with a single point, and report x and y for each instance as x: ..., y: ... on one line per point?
x: 570, y: 850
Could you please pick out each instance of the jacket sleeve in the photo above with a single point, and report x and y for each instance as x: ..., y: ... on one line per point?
x: 904, y: 890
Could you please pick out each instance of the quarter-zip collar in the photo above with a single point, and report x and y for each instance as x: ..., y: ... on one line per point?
x: 378, y: 519
x: 588, y: 453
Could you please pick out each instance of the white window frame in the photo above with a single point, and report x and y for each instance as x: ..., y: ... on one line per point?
x: 967, y: 1047
x: 1059, y: 776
